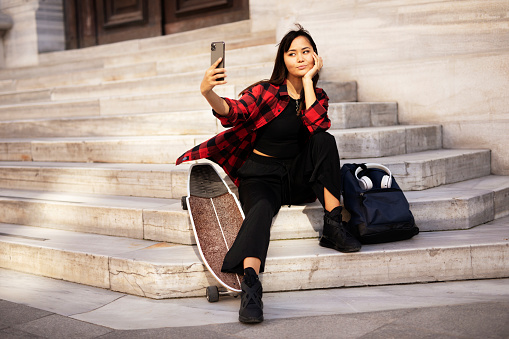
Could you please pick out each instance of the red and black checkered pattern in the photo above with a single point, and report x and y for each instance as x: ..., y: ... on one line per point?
x: 257, y: 107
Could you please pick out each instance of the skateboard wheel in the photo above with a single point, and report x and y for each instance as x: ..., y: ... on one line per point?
x: 212, y: 294
x: 183, y: 202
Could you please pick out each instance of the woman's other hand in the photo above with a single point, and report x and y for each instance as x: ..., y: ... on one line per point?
x: 210, y: 80
x: 316, y: 68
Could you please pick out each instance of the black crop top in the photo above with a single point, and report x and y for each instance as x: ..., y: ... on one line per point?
x: 282, y: 137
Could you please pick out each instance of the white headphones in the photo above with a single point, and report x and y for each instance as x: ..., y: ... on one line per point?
x: 365, y: 182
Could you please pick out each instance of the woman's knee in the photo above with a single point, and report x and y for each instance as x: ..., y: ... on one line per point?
x: 257, y: 195
x: 324, y: 140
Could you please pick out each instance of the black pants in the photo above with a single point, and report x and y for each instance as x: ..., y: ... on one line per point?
x: 268, y: 183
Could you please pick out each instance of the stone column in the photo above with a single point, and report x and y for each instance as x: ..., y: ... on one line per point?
x: 5, y: 25
x: 20, y: 42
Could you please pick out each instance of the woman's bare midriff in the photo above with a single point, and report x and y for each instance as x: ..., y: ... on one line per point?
x: 262, y: 154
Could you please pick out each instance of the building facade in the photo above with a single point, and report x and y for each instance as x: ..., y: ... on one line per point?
x: 443, y: 61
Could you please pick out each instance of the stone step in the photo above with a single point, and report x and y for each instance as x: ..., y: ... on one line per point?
x: 13, y: 98
x: 253, y: 47
x: 448, y: 207
x: 134, y: 51
x: 352, y: 143
x: 38, y: 104
x: 160, y: 270
x: 169, y: 61
x: 245, y: 74
x: 44, y: 109
x: 422, y: 170
x: 11, y: 75
x: 461, y: 205
x: 339, y: 91
x: 89, y: 77
x: 156, y: 149
x: 133, y: 217
x: 497, y: 184
x: 238, y: 30
x: 386, y: 141
x: 162, y: 83
x: 7, y: 85
x: 342, y: 115
x: 140, y: 180
x: 172, y: 123
x: 177, y: 101
x: 416, y: 171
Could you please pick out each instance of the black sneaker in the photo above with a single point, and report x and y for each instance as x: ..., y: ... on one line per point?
x: 335, y: 234
x: 251, y: 305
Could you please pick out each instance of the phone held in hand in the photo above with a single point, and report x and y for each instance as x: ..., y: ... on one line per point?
x: 217, y: 51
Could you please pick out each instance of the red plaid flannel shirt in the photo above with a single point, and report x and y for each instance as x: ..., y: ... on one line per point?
x: 257, y: 107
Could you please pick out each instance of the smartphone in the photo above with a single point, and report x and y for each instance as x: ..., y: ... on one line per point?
x: 216, y: 52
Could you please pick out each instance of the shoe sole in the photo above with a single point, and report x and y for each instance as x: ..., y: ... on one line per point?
x: 325, y: 243
x: 250, y: 320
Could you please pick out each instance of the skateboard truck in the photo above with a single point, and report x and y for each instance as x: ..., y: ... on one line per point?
x: 213, y: 292
x: 183, y: 203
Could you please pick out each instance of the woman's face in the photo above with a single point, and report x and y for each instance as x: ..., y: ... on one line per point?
x: 299, y: 57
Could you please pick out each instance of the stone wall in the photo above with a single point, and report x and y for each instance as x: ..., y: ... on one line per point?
x: 5, y: 25
x: 20, y: 42
x: 443, y: 61
x: 38, y: 27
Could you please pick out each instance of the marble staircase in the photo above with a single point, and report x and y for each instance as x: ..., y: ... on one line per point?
x: 89, y: 192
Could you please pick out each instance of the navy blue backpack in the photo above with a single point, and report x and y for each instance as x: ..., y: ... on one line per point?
x: 379, y: 210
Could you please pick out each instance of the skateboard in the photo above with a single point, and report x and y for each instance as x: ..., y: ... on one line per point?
x: 216, y: 217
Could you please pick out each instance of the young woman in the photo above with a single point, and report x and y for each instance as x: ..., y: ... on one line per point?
x: 277, y: 152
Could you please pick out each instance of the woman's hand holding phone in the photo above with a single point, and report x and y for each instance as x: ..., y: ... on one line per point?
x: 210, y: 80
x: 212, y: 76
x: 215, y: 75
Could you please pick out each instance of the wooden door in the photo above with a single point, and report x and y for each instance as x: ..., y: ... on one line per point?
x: 97, y: 22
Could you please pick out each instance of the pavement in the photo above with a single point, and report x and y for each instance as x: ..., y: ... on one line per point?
x: 38, y: 307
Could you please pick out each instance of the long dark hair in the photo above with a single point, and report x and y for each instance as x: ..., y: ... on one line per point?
x: 280, y: 72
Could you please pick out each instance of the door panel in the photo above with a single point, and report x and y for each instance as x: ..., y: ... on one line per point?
x: 120, y: 20
x: 117, y: 13
x: 80, y: 23
x: 184, y: 15
x: 185, y: 7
